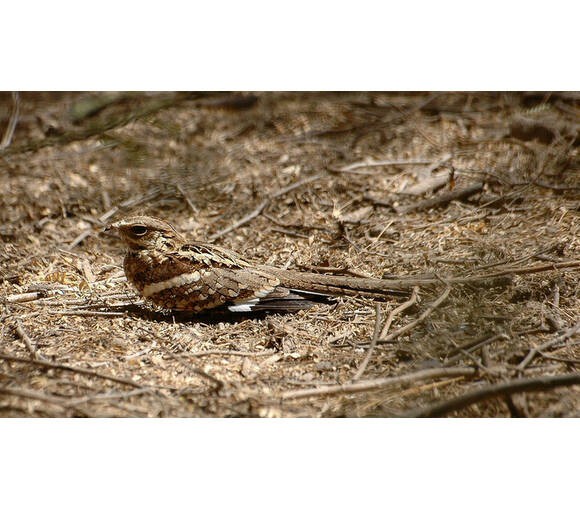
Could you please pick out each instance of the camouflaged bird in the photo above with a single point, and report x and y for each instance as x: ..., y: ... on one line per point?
x: 176, y: 274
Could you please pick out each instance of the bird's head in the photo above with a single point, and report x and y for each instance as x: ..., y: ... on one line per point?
x: 147, y: 233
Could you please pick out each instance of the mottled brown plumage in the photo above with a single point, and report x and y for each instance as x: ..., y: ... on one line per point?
x: 179, y: 275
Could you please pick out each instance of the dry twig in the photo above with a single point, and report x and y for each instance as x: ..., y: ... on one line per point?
x: 494, y: 390
x: 87, y: 313
x: 225, y: 352
x: 407, y: 304
x: 117, y: 395
x: 246, y: 219
x: 256, y: 212
x: 550, y: 343
x: 375, y: 384
x: 131, y: 202
x: 421, y: 318
x: 443, y: 199
x: 9, y: 133
x: 371, y: 348
x: 34, y: 354
x: 37, y: 395
x: 401, y: 308
x: 71, y: 403
x: 472, y: 345
x: 24, y: 298
x: 433, y: 183
x: 79, y: 370
x: 382, y: 162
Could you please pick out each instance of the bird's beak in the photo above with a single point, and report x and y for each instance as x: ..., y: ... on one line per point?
x: 111, y: 227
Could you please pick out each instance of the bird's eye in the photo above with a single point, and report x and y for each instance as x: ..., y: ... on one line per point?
x: 139, y: 230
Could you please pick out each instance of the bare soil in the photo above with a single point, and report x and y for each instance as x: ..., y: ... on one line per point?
x: 477, y: 192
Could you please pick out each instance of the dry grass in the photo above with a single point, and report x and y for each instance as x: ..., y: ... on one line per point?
x: 82, y: 344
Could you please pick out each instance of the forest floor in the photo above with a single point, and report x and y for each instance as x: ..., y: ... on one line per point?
x: 477, y: 192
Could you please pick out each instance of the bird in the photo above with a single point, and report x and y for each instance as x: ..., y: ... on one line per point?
x: 180, y: 275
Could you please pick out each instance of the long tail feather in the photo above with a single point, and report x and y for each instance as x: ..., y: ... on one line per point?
x: 339, y: 285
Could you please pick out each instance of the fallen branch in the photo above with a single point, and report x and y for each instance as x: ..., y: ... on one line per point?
x: 443, y: 199
x: 375, y: 384
x: 533, y: 384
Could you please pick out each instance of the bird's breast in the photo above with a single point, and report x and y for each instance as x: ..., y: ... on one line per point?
x: 144, y: 267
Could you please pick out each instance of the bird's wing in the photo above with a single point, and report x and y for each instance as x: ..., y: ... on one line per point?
x: 200, y: 277
x: 212, y: 256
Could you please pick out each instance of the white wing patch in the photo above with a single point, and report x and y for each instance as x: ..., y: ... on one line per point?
x: 176, y: 281
x: 299, y: 291
x: 264, y: 292
x: 243, y: 305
